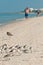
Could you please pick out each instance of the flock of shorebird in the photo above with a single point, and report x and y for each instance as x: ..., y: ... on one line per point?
x: 6, y: 51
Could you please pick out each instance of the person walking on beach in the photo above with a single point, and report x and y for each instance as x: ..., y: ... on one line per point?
x: 26, y: 12
x: 38, y: 13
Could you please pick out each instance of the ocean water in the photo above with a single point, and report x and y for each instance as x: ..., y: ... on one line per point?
x: 6, y: 18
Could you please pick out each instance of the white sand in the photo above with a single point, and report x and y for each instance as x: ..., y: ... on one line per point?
x: 25, y: 31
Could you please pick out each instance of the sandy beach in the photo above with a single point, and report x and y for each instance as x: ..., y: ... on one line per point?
x: 26, y: 33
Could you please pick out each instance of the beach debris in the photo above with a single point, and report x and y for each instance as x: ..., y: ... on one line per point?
x: 9, y: 34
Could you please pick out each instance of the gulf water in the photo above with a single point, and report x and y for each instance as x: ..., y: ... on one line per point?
x: 8, y: 17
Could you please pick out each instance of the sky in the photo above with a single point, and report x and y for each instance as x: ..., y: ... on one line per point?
x: 19, y: 5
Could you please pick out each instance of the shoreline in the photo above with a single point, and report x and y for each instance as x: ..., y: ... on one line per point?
x: 14, y: 21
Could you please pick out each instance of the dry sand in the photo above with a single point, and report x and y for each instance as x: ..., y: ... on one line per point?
x: 24, y: 31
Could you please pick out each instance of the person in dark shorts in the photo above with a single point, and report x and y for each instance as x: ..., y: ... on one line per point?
x: 26, y: 12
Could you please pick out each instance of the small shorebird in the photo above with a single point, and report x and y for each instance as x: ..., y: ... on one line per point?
x: 9, y: 34
x: 24, y: 46
x: 4, y: 46
x: 18, y: 47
